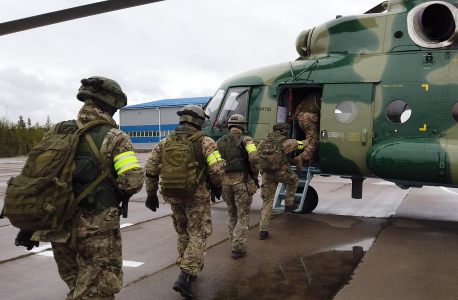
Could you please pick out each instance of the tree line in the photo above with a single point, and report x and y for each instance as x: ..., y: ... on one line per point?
x: 19, y: 138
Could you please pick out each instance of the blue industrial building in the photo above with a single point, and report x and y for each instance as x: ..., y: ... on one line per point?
x: 148, y: 123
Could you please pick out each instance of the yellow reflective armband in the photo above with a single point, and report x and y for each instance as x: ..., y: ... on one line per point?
x: 300, y: 145
x: 250, y: 148
x: 213, y: 157
x: 125, y: 161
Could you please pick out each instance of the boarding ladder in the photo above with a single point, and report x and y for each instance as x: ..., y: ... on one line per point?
x: 306, y: 197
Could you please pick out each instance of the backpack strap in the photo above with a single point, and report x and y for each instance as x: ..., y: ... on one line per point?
x: 196, y: 135
x: 193, y: 138
x: 105, y: 171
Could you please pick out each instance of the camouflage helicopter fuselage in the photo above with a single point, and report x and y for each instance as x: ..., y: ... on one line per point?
x: 389, y: 84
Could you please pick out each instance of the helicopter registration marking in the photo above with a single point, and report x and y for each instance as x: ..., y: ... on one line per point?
x: 392, y: 85
x: 335, y: 135
x: 354, y: 137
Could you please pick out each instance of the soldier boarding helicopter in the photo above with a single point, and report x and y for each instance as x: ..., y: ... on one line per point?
x: 388, y: 80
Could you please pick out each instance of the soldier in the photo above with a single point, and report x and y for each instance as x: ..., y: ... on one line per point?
x: 184, y: 186
x: 90, y: 261
x: 308, y: 115
x: 239, y: 184
x: 275, y: 168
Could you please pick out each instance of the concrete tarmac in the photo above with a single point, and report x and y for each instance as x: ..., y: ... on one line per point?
x: 408, y: 238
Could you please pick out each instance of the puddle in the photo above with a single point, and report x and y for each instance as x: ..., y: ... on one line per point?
x: 316, y: 277
x: 366, y: 244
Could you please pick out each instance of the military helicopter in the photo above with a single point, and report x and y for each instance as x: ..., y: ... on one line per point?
x: 388, y: 80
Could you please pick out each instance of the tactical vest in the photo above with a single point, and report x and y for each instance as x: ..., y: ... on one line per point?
x: 272, y: 157
x: 187, y: 132
x: 227, y: 147
x: 88, y: 168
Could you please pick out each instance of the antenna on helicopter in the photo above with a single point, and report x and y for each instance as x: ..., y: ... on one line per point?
x: 378, y: 9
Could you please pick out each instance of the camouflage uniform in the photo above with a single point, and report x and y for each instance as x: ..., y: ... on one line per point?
x: 93, y: 270
x: 270, y: 182
x: 308, y: 115
x: 191, y: 217
x: 238, y: 193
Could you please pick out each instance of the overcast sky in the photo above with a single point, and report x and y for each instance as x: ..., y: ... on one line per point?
x: 170, y: 49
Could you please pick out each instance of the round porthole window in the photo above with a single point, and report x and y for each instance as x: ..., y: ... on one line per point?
x: 455, y: 112
x: 398, y: 111
x: 346, y: 111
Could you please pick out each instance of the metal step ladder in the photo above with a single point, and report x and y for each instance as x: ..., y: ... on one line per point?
x: 304, y: 181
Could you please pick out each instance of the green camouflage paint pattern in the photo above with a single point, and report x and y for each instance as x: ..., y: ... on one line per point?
x: 362, y: 49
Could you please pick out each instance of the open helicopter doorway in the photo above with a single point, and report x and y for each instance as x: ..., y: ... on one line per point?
x: 290, y: 99
x: 293, y: 99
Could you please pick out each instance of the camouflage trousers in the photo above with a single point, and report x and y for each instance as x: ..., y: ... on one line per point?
x: 308, y: 122
x: 94, y: 269
x: 269, y: 185
x: 193, y: 223
x: 238, y: 202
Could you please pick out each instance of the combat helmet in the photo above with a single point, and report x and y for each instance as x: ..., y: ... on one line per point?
x: 193, y: 114
x: 103, y: 89
x: 282, y: 127
x: 237, y: 120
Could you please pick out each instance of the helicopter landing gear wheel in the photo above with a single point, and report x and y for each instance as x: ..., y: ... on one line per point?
x: 311, y: 201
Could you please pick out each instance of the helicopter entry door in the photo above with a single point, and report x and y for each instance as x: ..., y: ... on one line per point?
x: 346, y: 122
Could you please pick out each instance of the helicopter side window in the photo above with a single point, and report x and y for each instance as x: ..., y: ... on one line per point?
x: 346, y: 111
x: 455, y: 112
x: 211, y: 109
x: 398, y: 111
x: 235, y: 103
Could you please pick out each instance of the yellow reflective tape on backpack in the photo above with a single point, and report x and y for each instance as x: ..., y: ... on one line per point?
x: 213, y: 157
x: 250, y: 148
x: 300, y: 145
x: 125, y: 161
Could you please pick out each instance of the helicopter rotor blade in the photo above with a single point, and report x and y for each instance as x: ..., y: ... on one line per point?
x: 69, y: 14
x: 377, y: 9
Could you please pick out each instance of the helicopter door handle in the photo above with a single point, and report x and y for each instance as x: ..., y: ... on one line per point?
x: 364, y: 137
x: 324, y: 135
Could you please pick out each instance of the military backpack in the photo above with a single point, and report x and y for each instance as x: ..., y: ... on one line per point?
x: 179, y: 170
x: 41, y: 197
x: 272, y: 157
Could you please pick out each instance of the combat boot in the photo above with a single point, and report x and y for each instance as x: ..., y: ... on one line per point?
x: 298, y: 161
x: 291, y: 208
x: 238, y: 252
x: 183, y: 285
x: 263, y: 235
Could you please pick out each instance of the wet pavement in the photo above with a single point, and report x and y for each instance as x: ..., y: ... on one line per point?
x: 407, y: 238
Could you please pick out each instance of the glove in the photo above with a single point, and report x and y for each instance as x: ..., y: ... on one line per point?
x: 23, y: 239
x: 152, y: 202
x: 218, y: 192
x: 251, y: 187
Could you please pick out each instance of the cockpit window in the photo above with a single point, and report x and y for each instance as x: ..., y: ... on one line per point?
x: 235, y: 103
x: 211, y: 109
